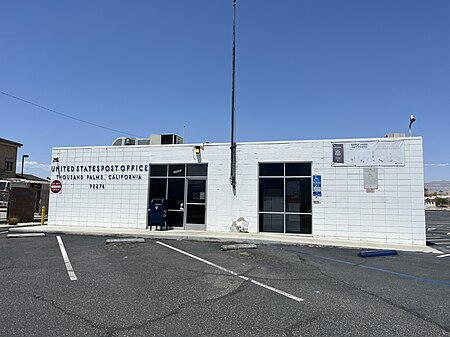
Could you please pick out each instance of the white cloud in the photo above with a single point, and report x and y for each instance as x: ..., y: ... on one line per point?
x: 33, y: 165
x: 438, y: 165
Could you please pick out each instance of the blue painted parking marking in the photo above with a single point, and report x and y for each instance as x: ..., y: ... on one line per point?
x: 417, y: 278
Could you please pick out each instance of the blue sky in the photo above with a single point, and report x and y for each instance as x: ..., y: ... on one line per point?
x: 305, y: 70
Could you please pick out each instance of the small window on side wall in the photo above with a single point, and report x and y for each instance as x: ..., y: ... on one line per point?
x: 8, y: 165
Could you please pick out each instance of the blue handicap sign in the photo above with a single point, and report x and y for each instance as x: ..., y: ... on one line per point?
x: 317, y: 186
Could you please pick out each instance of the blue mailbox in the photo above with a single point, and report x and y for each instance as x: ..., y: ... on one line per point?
x: 158, y: 213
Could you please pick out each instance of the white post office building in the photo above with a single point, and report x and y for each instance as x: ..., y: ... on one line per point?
x: 351, y: 189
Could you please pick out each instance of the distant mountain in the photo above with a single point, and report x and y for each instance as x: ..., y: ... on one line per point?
x: 438, y: 186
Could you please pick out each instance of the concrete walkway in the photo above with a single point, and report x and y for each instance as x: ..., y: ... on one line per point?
x: 5, y: 226
x: 257, y: 238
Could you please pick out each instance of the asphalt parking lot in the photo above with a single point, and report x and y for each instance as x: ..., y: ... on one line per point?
x: 438, y: 230
x: 184, y: 288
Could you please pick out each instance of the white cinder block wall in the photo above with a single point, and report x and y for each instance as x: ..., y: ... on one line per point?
x: 392, y: 213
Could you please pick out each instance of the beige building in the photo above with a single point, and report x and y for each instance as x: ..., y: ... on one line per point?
x: 8, y: 158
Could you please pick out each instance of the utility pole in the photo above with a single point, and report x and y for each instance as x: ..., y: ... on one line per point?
x: 233, y: 107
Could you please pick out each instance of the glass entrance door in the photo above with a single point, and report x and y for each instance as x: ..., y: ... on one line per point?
x: 184, y: 187
x: 175, y: 198
x: 196, y: 204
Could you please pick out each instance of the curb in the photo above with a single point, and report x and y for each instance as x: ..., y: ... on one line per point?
x: 27, y: 224
x: 24, y: 235
x: 219, y: 237
x: 374, y: 253
x: 128, y: 240
x: 239, y: 246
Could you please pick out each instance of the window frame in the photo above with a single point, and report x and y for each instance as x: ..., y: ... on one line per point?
x: 9, y: 166
x: 285, y: 213
x: 185, y: 177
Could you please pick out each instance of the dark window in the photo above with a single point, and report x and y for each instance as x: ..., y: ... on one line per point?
x: 8, y: 165
x: 298, y: 169
x: 175, y: 194
x: 176, y: 171
x: 195, y: 214
x: 271, y: 195
x: 285, y: 202
x: 271, y: 223
x: 196, y: 191
x: 271, y: 169
x: 298, y: 195
x: 157, y: 188
x: 158, y: 170
x: 197, y: 170
x: 298, y: 223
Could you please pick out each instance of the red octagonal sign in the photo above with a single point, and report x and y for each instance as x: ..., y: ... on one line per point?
x: 55, y: 186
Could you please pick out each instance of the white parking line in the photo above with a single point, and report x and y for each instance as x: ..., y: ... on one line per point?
x: 440, y: 241
x: 278, y: 291
x: 444, y: 255
x: 4, y: 232
x: 69, y: 268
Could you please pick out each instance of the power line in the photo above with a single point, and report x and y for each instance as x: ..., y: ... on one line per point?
x: 67, y: 116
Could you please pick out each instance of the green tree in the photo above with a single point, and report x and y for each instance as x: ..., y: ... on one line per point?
x: 441, y: 202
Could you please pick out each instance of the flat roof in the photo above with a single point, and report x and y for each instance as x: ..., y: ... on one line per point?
x: 240, y: 143
x: 31, y: 177
x: 10, y: 142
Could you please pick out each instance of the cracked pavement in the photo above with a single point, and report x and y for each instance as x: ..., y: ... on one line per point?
x: 149, y: 290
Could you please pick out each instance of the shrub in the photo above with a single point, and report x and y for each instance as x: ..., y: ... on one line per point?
x: 441, y: 202
x: 13, y: 221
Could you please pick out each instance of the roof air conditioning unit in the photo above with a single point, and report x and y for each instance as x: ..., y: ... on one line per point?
x: 130, y: 141
x: 165, y: 139
x: 395, y: 135
x: 160, y: 139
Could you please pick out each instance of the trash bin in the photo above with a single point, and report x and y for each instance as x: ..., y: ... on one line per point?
x: 158, y: 213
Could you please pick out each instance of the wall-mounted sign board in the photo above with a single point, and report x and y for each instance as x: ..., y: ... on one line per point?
x: 317, y: 189
x: 370, y: 178
x: 370, y: 153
